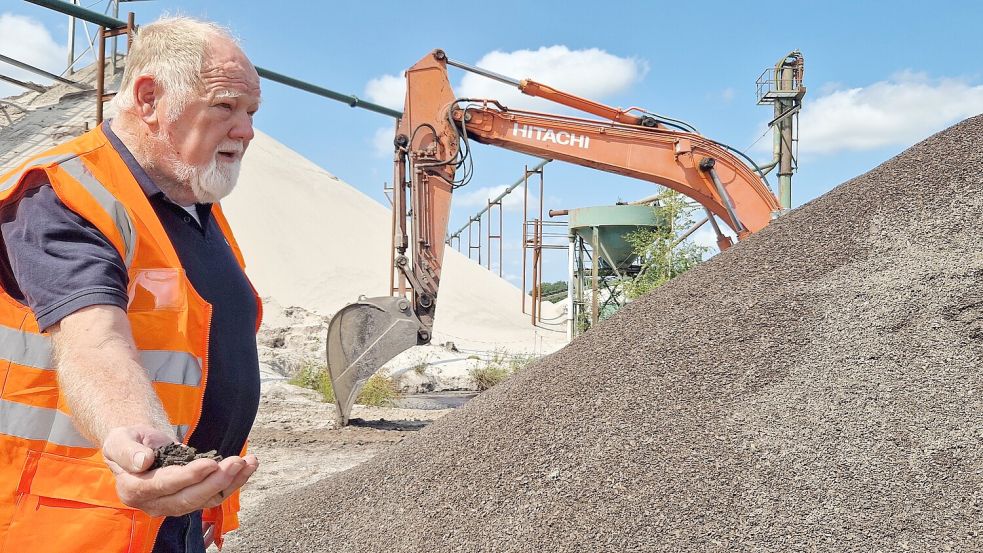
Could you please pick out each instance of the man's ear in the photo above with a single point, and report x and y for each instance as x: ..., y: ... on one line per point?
x: 146, y: 94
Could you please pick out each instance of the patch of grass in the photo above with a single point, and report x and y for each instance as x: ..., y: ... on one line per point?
x: 520, y: 361
x: 489, y: 375
x: 421, y: 366
x: 498, y: 368
x: 378, y: 391
x: 315, y: 376
x: 498, y: 356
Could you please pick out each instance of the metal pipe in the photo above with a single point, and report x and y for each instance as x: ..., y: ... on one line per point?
x: 80, y: 12
x: 536, y: 277
x: 689, y: 232
x: 647, y: 200
x: 595, y: 289
x: 113, y: 23
x: 115, y: 4
x: 559, y: 212
x: 71, y: 44
x: 539, y: 244
x: 484, y: 72
x: 707, y: 165
x: 41, y: 72
x: 723, y: 242
x: 501, y: 235
x: 502, y: 195
x: 785, y: 163
x: 351, y: 100
x: 489, y: 235
x: 31, y: 86
x: 101, y: 77
x: 525, y: 231
x: 570, y: 286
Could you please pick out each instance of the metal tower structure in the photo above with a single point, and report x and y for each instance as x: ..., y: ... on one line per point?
x: 782, y: 86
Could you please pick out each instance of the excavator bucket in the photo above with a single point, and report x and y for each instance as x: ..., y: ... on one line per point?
x: 361, y: 338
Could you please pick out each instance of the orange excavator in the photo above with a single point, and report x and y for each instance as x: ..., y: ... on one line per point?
x: 432, y: 159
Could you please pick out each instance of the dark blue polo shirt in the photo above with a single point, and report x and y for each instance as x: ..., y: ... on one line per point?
x: 56, y: 263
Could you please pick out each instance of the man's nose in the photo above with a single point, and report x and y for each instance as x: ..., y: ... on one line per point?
x: 243, y: 128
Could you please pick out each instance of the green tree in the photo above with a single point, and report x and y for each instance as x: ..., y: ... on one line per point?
x: 553, y: 291
x: 662, y: 255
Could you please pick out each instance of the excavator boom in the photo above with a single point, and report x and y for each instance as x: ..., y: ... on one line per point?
x: 432, y: 143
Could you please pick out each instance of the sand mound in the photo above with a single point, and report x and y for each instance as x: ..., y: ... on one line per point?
x: 314, y: 241
x: 817, y: 387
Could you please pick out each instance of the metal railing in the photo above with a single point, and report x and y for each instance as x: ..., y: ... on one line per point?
x: 768, y: 86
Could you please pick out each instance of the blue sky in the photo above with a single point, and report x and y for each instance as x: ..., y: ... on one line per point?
x: 881, y: 76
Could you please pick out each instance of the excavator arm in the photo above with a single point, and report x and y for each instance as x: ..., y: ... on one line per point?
x: 431, y: 148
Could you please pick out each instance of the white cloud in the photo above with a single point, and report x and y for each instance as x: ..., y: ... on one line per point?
x: 478, y: 198
x: 899, y: 111
x: 591, y: 73
x: 27, y: 40
x: 382, y: 142
x: 387, y: 90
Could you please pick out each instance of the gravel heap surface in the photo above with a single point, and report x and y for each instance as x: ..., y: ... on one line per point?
x: 817, y: 387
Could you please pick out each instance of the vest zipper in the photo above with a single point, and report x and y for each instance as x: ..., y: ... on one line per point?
x: 204, y: 371
x: 201, y: 403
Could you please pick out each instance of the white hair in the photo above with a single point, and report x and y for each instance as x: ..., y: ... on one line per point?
x: 172, y: 50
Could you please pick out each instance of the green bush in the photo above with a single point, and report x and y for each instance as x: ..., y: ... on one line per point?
x: 489, y: 375
x: 378, y: 391
x: 498, y: 368
x: 314, y: 376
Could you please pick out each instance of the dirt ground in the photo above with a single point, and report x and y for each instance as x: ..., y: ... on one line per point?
x: 297, y: 441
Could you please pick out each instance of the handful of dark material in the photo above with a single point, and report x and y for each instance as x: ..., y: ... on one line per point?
x: 179, y: 454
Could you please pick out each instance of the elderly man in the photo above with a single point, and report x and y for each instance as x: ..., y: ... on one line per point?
x: 127, y: 322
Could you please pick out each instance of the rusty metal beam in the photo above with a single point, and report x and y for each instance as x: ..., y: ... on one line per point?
x: 30, y: 86
x: 42, y: 72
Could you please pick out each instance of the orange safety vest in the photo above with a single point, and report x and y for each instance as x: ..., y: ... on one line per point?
x: 56, y: 493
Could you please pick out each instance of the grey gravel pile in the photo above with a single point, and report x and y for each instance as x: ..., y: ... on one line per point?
x: 816, y: 388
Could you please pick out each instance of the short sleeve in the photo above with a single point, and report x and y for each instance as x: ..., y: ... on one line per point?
x: 55, y: 261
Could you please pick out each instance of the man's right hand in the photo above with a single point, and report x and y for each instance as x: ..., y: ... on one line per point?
x: 173, y: 490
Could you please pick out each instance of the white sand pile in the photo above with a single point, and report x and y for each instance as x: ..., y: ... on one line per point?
x: 313, y: 240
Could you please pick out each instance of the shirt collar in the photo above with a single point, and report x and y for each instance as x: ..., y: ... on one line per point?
x: 150, y: 189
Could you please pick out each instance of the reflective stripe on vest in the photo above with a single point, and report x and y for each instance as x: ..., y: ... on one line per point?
x: 108, y: 202
x: 26, y: 348
x: 43, y: 160
x: 40, y: 423
x: 35, y: 350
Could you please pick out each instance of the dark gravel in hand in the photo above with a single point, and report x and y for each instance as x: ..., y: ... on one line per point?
x: 179, y: 454
x: 818, y: 387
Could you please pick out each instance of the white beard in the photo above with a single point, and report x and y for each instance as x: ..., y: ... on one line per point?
x: 212, y: 182
x: 209, y: 183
